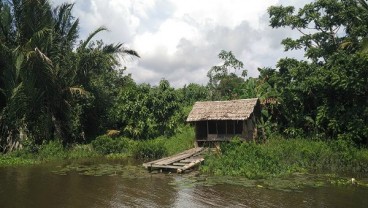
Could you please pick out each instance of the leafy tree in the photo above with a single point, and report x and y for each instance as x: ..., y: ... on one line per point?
x: 327, y: 94
x: 145, y: 112
x: 249, y: 88
x: 364, y: 41
x: 98, y: 73
x: 223, y: 82
x: 165, y: 105
x: 193, y: 92
x: 324, y: 26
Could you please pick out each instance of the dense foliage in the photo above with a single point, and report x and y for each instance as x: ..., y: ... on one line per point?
x: 326, y: 95
x: 56, y: 87
x: 146, y: 112
x: 48, y: 82
x: 280, y: 157
x: 111, y: 148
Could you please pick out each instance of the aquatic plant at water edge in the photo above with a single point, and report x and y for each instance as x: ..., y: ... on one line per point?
x: 280, y: 156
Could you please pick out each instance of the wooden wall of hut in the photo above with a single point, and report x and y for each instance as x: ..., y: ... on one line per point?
x: 250, y: 128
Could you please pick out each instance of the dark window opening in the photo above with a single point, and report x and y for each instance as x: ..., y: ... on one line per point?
x: 221, y: 127
x: 212, y: 127
x: 224, y: 127
x: 201, y: 129
x: 230, y: 127
x: 238, y: 127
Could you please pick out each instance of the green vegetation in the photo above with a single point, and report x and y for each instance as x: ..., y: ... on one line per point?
x: 51, y: 86
x: 58, y: 96
x: 107, y: 145
x: 150, y: 149
x: 145, y: 149
x: 49, y: 151
x: 146, y: 112
x: 162, y: 146
x: 10, y: 160
x: 102, y: 146
x: 280, y: 157
x: 325, y: 96
x: 224, y: 83
x: 181, y: 141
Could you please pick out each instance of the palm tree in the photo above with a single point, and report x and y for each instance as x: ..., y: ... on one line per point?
x: 42, y: 70
x: 30, y: 87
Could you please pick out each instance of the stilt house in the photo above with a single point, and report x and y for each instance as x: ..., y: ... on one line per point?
x: 217, y: 121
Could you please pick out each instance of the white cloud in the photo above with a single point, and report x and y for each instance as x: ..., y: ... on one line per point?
x: 166, y: 38
x: 180, y: 40
x: 222, y: 13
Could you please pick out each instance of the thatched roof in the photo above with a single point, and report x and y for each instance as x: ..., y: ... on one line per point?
x: 222, y: 110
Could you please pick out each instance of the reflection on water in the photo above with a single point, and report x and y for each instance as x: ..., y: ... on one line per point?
x: 124, y: 184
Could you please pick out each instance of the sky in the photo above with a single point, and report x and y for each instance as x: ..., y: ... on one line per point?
x: 179, y: 40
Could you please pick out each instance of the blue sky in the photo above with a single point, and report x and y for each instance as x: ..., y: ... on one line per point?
x: 179, y: 39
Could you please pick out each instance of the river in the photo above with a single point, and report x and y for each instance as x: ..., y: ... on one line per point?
x: 107, y: 183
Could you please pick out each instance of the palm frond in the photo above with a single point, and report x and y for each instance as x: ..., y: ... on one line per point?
x: 41, y: 37
x: 131, y: 52
x: 90, y: 36
x: 43, y: 56
x: 19, y: 62
x: 30, y: 17
x: 73, y: 31
x: 64, y: 24
x: 6, y: 29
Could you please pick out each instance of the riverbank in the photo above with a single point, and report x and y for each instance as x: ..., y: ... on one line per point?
x: 279, y: 157
x: 102, y: 146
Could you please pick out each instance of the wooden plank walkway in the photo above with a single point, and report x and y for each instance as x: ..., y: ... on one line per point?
x: 179, y: 162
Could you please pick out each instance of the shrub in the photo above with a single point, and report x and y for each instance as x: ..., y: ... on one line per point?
x: 107, y: 145
x: 150, y: 149
x: 81, y: 151
x: 51, y: 150
x: 243, y: 159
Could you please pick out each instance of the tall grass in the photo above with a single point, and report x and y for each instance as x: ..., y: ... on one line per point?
x: 152, y: 149
x: 162, y: 146
x: 144, y: 149
x: 279, y: 157
x: 181, y: 141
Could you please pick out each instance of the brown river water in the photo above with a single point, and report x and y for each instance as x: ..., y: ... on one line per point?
x: 124, y: 183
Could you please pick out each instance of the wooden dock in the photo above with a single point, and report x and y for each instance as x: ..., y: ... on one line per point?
x: 179, y: 162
